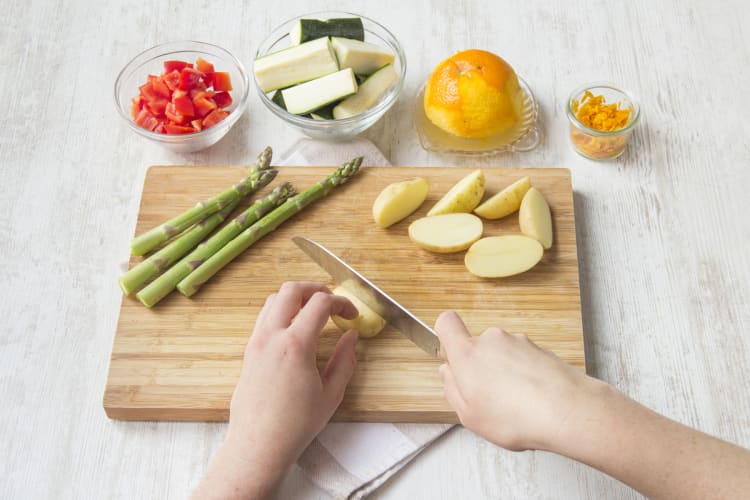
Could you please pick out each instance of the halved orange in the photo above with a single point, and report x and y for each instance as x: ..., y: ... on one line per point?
x: 473, y: 93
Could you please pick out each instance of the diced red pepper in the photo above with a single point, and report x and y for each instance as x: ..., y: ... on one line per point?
x: 172, y: 79
x: 214, y: 117
x: 195, y: 93
x: 223, y: 99
x: 147, y: 91
x: 137, y: 104
x: 178, y: 129
x: 146, y: 120
x: 183, y: 105
x: 185, y: 98
x: 161, y: 88
x: 204, y: 66
x: 203, y: 105
x: 170, y: 66
x: 157, y: 106
x: 189, y: 78
x: 173, y: 115
x: 221, y: 81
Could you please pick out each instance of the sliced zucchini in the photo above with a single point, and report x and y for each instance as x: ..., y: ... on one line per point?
x: 324, y: 113
x: 294, y: 65
x: 306, y: 97
x: 278, y: 99
x: 305, y: 30
x: 368, y: 93
x: 364, y: 58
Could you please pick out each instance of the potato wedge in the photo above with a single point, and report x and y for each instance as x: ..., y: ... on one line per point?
x: 368, y: 323
x: 505, y: 202
x: 463, y: 197
x: 446, y: 233
x: 501, y: 256
x: 399, y: 200
x: 535, y: 219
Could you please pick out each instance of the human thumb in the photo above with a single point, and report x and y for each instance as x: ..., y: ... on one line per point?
x: 455, y: 340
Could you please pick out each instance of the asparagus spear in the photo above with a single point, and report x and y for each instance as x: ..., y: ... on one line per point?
x: 161, y: 260
x: 149, y: 240
x: 164, y: 284
x: 266, y: 225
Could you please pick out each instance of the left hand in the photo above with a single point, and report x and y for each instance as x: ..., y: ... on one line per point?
x: 282, y: 401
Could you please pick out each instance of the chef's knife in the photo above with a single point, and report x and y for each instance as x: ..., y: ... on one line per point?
x: 394, y: 313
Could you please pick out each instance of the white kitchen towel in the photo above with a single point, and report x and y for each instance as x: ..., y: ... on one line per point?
x: 351, y: 460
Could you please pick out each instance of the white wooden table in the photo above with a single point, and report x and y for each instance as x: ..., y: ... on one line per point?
x: 663, y: 234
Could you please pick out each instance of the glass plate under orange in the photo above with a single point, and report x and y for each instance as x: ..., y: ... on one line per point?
x: 523, y: 137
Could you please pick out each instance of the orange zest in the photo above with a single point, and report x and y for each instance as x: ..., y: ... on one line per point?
x: 594, y: 113
x: 599, y: 147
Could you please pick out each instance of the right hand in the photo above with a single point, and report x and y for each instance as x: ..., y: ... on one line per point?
x: 506, y: 388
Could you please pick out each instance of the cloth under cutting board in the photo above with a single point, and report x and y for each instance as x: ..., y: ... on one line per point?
x: 351, y: 460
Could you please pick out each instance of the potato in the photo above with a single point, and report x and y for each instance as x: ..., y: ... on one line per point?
x: 368, y: 323
x: 535, y: 219
x: 399, y: 200
x: 463, y: 197
x: 446, y: 233
x: 505, y: 202
x: 501, y: 256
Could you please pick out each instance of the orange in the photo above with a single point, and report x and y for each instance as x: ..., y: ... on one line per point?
x: 473, y: 93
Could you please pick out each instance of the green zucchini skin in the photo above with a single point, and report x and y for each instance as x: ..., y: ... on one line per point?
x: 278, y: 99
x: 307, y: 97
x: 368, y: 94
x: 311, y: 29
x: 326, y: 112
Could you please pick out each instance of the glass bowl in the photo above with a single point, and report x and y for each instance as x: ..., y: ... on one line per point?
x: 150, y: 61
x: 525, y: 136
x: 602, y: 145
x: 344, y: 128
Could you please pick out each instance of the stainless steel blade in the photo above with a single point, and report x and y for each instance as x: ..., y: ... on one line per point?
x: 394, y: 313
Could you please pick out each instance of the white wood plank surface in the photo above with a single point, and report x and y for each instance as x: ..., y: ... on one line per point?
x: 663, y: 233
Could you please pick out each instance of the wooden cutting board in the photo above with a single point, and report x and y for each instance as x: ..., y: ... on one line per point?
x: 181, y: 359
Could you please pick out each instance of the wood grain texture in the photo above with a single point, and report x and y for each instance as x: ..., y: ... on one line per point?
x: 662, y: 234
x: 181, y: 359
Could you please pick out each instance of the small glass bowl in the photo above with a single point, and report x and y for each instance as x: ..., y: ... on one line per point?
x: 597, y: 144
x: 151, y: 61
x: 345, y: 128
x: 525, y: 136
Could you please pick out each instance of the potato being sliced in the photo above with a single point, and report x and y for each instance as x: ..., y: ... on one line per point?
x: 446, y: 233
x: 399, y: 200
x: 535, y: 219
x: 462, y: 197
x: 505, y: 202
x: 501, y: 256
x: 368, y: 323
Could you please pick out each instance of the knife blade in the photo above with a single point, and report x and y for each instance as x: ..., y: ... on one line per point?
x: 394, y: 313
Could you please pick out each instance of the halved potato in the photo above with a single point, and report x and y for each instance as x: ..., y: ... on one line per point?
x: 446, y: 233
x: 535, y: 219
x: 399, y: 200
x: 462, y: 197
x: 368, y: 323
x: 501, y: 256
x: 505, y: 202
